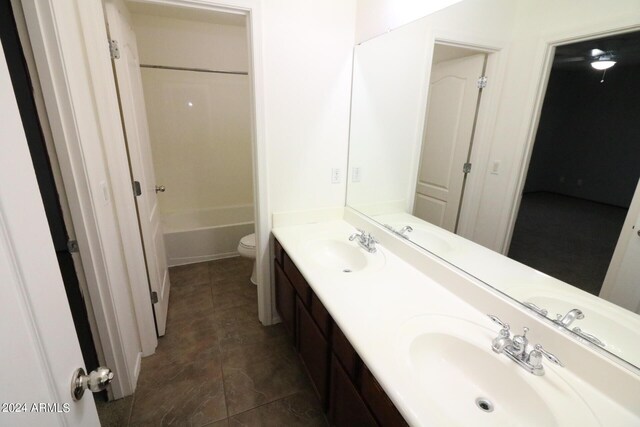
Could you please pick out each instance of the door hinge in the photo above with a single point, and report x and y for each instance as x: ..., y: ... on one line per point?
x: 154, y: 297
x: 482, y: 82
x: 137, y: 189
x: 466, y: 168
x: 72, y: 246
x: 114, y: 50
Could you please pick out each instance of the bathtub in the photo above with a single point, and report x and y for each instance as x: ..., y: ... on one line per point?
x: 206, y: 235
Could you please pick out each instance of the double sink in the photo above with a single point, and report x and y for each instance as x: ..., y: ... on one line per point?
x: 450, y: 359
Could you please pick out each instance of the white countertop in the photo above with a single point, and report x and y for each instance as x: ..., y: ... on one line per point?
x: 370, y: 307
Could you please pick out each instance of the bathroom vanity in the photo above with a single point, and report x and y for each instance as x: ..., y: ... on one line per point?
x: 399, y: 337
x: 347, y: 389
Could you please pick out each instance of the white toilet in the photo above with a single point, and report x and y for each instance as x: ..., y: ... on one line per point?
x: 247, y: 249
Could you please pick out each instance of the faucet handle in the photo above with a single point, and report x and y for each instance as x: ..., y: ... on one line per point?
x: 541, y: 311
x: 550, y: 356
x: 496, y: 320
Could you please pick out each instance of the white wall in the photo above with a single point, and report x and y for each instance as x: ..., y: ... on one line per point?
x: 387, y: 115
x: 199, y: 123
x: 307, y: 51
x: 191, y: 43
x: 375, y: 17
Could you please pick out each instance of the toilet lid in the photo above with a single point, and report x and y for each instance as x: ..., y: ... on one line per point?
x: 249, y: 241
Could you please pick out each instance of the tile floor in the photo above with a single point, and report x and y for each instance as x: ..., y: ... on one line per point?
x: 217, y: 365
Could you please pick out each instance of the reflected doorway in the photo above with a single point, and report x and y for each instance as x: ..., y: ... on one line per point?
x: 583, y: 171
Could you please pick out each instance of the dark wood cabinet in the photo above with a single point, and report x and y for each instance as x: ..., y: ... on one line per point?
x: 321, y: 316
x: 285, y: 301
x: 377, y: 400
x: 346, y: 354
x: 348, y: 391
x: 346, y: 407
x: 313, y: 349
x: 297, y: 280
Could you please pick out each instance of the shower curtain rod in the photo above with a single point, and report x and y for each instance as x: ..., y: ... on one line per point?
x: 197, y: 70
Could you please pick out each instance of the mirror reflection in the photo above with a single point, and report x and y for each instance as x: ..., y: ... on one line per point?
x: 506, y: 144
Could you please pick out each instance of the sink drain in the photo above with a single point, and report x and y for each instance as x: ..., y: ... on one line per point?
x: 346, y: 270
x: 484, y: 404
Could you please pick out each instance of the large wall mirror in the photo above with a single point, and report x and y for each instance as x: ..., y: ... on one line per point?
x: 504, y: 137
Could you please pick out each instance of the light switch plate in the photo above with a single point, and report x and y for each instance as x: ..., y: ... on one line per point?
x: 356, y: 174
x: 335, y: 176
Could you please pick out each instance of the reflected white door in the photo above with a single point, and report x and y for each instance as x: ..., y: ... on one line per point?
x: 622, y: 283
x: 446, y: 143
x: 134, y: 115
x: 40, y: 350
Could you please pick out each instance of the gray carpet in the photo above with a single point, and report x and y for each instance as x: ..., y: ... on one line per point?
x: 567, y: 238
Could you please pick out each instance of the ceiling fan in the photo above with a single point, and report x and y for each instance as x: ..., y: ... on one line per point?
x: 599, y: 59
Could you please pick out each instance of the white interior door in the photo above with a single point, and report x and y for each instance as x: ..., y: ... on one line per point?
x: 134, y: 114
x: 40, y: 348
x: 452, y: 104
x: 622, y: 283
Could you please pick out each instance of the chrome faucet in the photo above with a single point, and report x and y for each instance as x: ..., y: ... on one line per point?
x: 516, y: 348
x: 365, y: 240
x: 401, y: 232
x: 567, y: 319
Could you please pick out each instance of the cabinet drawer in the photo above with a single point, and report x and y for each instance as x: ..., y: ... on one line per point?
x: 379, y: 403
x: 297, y: 280
x: 313, y: 349
x: 346, y: 407
x: 345, y: 353
x: 285, y: 300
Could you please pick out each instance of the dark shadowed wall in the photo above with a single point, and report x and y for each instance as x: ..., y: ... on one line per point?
x: 588, y: 140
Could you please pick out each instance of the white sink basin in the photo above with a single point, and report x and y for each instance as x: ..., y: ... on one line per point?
x: 429, y: 241
x: 338, y: 256
x: 465, y: 383
x: 425, y: 236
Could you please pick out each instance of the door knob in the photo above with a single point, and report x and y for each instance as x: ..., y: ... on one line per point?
x: 160, y: 188
x: 96, y: 381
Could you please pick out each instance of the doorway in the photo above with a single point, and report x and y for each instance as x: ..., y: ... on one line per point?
x: 583, y: 170
x: 184, y: 92
x: 455, y: 90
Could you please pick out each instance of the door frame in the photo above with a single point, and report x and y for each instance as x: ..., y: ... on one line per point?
x: 497, y: 52
x: 252, y: 10
x: 90, y: 144
x: 547, y: 45
x: 39, y: 364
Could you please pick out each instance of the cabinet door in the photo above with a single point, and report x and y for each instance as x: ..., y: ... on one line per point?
x: 346, y: 407
x: 313, y: 350
x: 285, y: 300
x: 376, y: 398
x: 346, y: 353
